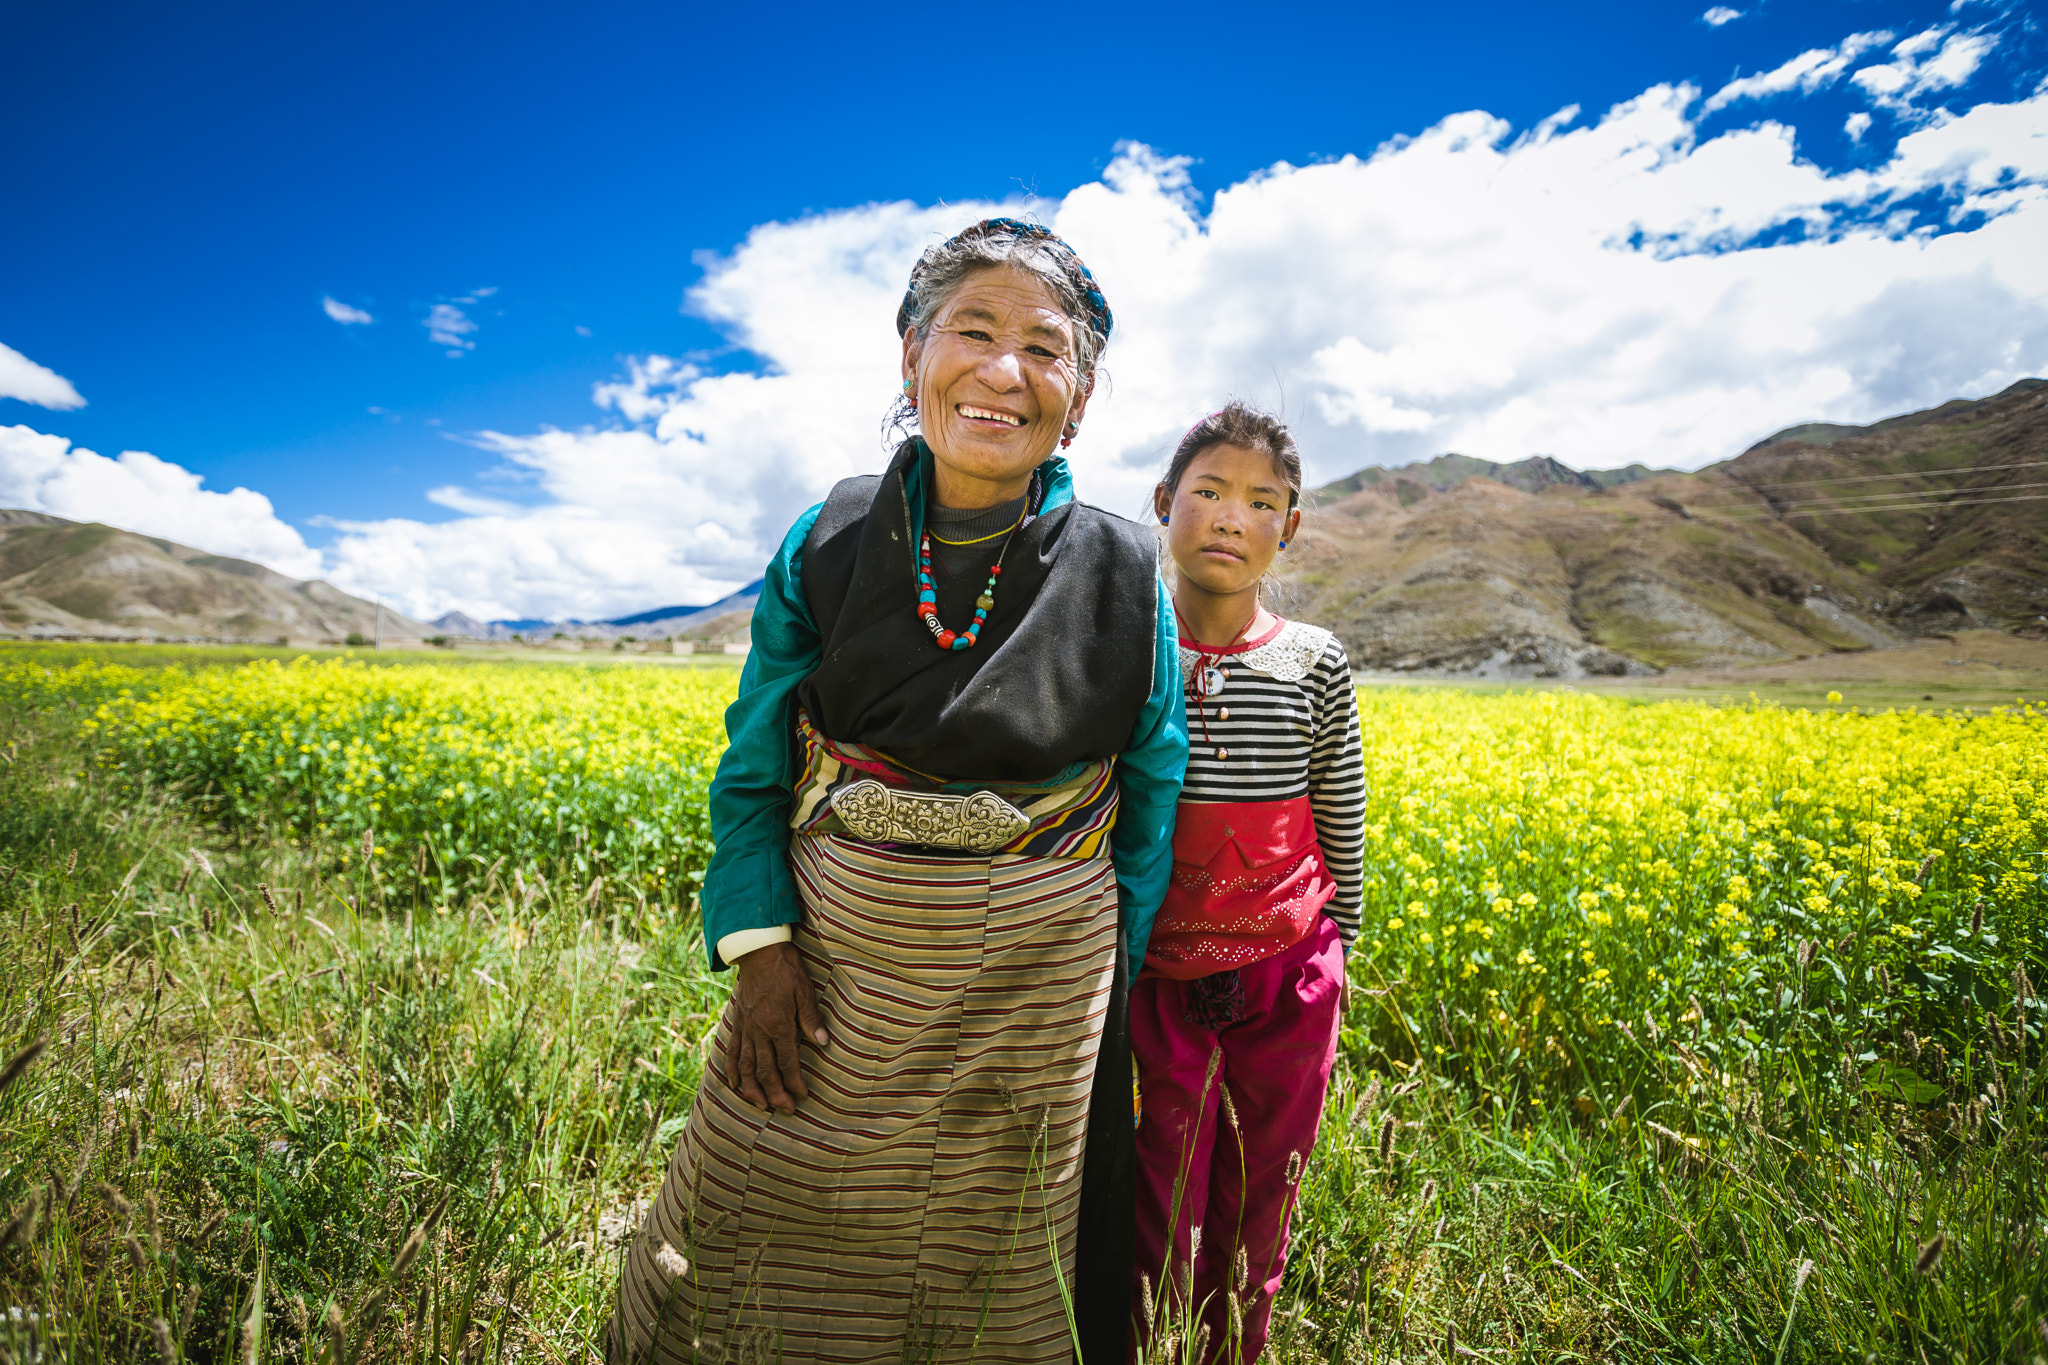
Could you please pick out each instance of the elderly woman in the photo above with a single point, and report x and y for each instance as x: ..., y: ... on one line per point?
x: 943, y: 828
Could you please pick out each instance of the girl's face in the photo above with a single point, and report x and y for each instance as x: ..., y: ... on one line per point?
x: 1226, y: 520
x: 996, y: 378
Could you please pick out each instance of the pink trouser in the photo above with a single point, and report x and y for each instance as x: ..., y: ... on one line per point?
x: 1275, y: 1064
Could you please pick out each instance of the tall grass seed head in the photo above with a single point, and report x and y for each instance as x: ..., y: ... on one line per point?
x: 671, y: 1262
x: 1386, y: 1139
x: 20, y: 1062
x: 1929, y: 1259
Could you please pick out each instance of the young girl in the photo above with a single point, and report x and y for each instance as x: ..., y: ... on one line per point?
x: 1234, y: 1017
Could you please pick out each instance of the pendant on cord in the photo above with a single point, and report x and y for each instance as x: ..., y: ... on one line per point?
x: 1210, y: 681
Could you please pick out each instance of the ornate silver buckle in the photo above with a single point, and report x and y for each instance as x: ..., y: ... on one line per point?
x: 980, y: 822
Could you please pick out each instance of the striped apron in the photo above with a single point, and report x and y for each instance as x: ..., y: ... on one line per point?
x: 920, y: 1205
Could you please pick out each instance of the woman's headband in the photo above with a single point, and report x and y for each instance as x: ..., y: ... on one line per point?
x: 1099, y: 315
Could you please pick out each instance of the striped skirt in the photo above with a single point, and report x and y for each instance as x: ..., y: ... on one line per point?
x: 913, y: 1207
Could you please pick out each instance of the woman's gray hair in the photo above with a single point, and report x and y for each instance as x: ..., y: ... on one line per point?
x: 989, y: 244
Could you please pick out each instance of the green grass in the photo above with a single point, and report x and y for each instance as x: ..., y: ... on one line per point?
x: 302, y: 1059
x: 298, y: 1086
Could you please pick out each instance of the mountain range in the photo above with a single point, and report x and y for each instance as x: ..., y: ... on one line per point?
x: 61, y: 578
x: 719, y: 622
x: 1823, y: 537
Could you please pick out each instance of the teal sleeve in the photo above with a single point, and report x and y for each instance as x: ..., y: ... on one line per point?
x: 1148, y: 778
x: 748, y: 885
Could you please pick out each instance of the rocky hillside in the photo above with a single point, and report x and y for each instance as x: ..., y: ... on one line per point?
x: 1823, y: 537
x: 62, y: 577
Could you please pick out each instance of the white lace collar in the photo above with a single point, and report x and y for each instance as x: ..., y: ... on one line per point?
x: 1287, y: 657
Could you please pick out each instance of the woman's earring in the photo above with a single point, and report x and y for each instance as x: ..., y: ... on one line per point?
x: 909, y: 396
x: 1073, y: 430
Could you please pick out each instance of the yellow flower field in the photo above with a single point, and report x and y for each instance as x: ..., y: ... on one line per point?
x: 1671, y: 1008
x: 1535, y: 846
x: 602, y: 769
x: 1550, y: 862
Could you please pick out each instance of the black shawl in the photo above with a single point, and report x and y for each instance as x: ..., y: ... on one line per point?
x: 1063, y: 667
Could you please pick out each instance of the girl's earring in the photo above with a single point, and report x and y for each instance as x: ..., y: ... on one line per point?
x: 1165, y: 520
x: 1283, y: 544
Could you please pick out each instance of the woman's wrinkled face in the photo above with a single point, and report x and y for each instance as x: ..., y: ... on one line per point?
x: 1227, y: 518
x: 996, y: 378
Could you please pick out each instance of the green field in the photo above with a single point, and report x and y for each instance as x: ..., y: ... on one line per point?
x: 371, y: 997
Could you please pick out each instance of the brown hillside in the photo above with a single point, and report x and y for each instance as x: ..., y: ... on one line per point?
x: 1790, y: 550
x: 1945, y: 507
x: 61, y: 577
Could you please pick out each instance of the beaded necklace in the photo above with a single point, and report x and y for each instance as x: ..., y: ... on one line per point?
x: 928, y: 595
x: 1208, y: 680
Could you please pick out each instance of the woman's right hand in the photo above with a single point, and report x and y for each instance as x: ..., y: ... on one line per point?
x: 772, y: 1002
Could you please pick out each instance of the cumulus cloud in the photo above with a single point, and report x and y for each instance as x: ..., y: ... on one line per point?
x: 1607, y: 293
x: 1719, y: 15
x: 1923, y: 64
x: 1856, y: 125
x: 139, y: 492
x: 1611, y: 290
x: 22, y: 378
x: 342, y: 313
x: 449, y: 326
x: 1811, y: 70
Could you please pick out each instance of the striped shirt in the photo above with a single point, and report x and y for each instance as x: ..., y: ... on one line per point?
x: 1280, y: 723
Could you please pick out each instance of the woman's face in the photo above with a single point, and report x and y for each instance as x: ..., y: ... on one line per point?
x: 1227, y: 518
x: 997, y: 380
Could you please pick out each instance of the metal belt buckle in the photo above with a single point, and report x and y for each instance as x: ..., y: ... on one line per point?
x: 981, y: 822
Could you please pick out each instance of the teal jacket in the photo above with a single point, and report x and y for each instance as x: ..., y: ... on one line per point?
x: 749, y: 885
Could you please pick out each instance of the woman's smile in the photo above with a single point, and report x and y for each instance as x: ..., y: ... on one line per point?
x: 980, y: 414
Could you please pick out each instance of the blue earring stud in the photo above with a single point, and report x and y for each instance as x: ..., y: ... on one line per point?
x: 1283, y: 544
x: 1163, y: 520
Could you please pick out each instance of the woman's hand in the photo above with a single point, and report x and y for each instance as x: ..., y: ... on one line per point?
x: 773, y: 999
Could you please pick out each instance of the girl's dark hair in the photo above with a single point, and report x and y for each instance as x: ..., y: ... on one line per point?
x: 1241, y: 425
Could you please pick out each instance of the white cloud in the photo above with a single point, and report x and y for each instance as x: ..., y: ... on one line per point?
x: 1923, y: 64
x: 449, y: 326
x: 342, y: 313
x: 1719, y: 15
x: 139, y: 492
x: 1594, y: 292
x: 1856, y: 125
x: 1809, y: 71
x: 22, y: 378
x: 1591, y: 292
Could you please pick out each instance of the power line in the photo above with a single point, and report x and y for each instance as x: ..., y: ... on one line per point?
x: 1880, y: 497
x: 1913, y: 507
x: 1872, y: 478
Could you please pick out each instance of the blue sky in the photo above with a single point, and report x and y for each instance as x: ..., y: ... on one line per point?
x: 591, y: 201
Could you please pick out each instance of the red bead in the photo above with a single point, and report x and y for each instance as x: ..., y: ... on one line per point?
x: 996, y: 569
